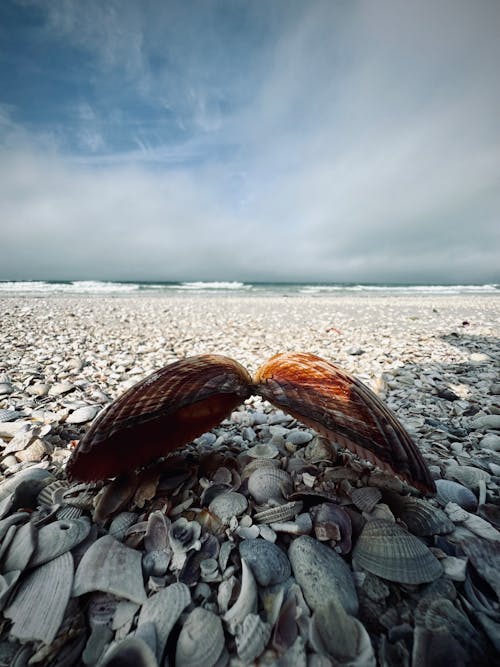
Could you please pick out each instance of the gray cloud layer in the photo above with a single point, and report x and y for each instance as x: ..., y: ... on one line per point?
x: 360, y: 143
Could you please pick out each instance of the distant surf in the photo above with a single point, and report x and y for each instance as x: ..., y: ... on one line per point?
x: 41, y: 287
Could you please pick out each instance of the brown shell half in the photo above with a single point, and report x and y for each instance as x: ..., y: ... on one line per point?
x: 165, y: 410
x: 341, y: 407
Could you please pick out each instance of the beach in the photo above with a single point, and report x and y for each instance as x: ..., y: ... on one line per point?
x: 433, y: 359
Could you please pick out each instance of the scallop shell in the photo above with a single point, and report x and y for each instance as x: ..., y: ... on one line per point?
x: 165, y: 410
x: 322, y: 574
x: 390, y: 552
x: 267, y: 483
x: 345, y: 410
x: 130, y: 652
x: 121, y: 523
x: 366, y: 498
x: 227, y: 505
x: 52, y: 494
x: 267, y: 561
x: 252, y: 638
x: 201, y: 640
x: 264, y: 450
x: 163, y: 609
x: 453, y: 492
x: 103, y: 566
x: 279, y: 513
x: 420, y: 517
x: 21, y: 548
x: 38, y: 608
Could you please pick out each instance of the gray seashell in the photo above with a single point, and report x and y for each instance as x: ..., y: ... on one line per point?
x: 12, y: 520
x: 99, y: 638
x: 156, y: 537
x: 33, y: 475
x: 322, y: 574
x: 263, y: 450
x: 21, y: 548
x: 84, y: 414
x: 252, y: 638
x: 267, y: 483
x: 203, y: 625
x: 7, y: 583
x: 333, y: 523
x: 81, y: 495
x: 184, y: 535
x: 155, y: 563
x: 467, y: 475
x: 9, y: 415
x: 114, y: 497
x: 284, y: 512
x: 121, y: 523
x: 61, y: 388
x: 449, y: 491
x: 52, y: 494
x: 390, y: 552
x: 420, y: 517
x: 48, y: 588
x: 58, y: 537
x: 163, y: 609
x: 68, y: 512
x: 335, y: 633
x: 103, y: 566
x: 227, y: 505
x: 366, y: 498
x: 246, y: 602
x: 269, y: 563
x: 6, y: 388
x: 475, y: 524
x: 485, y: 557
x: 124, y: 614
x: 429, y: 644
x: 301, y: 525
x: 130, y: 652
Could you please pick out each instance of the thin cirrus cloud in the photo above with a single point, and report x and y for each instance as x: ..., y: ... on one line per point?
x: 295, y: 141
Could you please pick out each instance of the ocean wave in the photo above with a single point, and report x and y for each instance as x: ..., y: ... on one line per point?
x: 70, y: 287
x: 402, y: 289
x: 216, y: 285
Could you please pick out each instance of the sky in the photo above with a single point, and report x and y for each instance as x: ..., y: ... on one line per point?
x: 250, y: 140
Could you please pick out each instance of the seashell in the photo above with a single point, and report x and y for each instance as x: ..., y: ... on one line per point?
x: 130, y: 652
x: 30, y: 478
x: 267, y: 483
x: 390, y: 552
x: 47, y: 588
x: 366, y: 498
x: 212, y: 491
x: 335, y: 633
x: 467, y: 475
x: 99, y: 639
x: 81, y: 495
x: 472, y: 522
x: 165, y: 410
x: 485, y: 557
x: 322, y: 574
x: 269, y: 564
x: 84, y: 414
x: 254, y: 464
x: 453, y: 492
x: 246, y: 602
x: 279, y: 513
x: 302, y: 525
x: 436, y: 646
x: 156, y: 537
x: 7, y: 583
x: 12, y: 520
x: 21, y: 548
x: 103, y: 566
x: 490, y: 513
x: 343, y: 409
x: 58, y: 537
x: 332, y: 522
x: 420, y: 517
x: 184, y: 535
x: 227, y: 505
x: 264, y: 450
x: 52, y: 494
x: 163, y: 609
x: 115, y: 496
x: 155, y: 563
x: 121, y: 523
x: 9, y: 415
x: 190, y: 651
x: 252, y: 638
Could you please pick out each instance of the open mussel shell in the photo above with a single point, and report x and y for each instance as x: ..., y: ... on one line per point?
x: 390, y: 552
x: 341, y: 407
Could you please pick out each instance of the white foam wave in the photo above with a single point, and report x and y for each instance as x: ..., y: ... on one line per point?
x: 73, y: 287
x: 217, y: 285
x: 402, y: 289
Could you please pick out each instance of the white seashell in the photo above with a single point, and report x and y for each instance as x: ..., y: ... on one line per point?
x: 38, y: 608
x: 252, y: 637
x: 454, y: 568
x: 84, y: 414
x: 263, y: 450
x: 301, y: 526
x: 58, y: 537
x: 227, y: 505
x: 163, y: 609
x: 473, y: 522
x: 201, y: 640
x: 103, y: 566
x: 268, y: 483
x: 246, y: 602
x: 124, y: 613
x: 279, y: 513
x: 225, y: 592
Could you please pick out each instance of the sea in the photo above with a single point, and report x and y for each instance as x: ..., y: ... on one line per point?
x: 227, y: 288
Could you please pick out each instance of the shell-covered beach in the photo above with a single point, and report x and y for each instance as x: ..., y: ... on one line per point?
x: 259, y: 542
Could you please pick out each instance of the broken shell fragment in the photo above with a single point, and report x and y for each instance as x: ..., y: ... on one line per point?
x: 387, y: 550
x: 280, y: 513
x: 47, y: 588
x: 201, y: 640
x: 252, y: 638
x: 130, y: 652
x: 246, y: 602
x: 58, y: 537
x: 103, y: 566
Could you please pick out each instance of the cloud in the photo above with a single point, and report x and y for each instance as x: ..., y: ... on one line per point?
x: 320, y: 141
